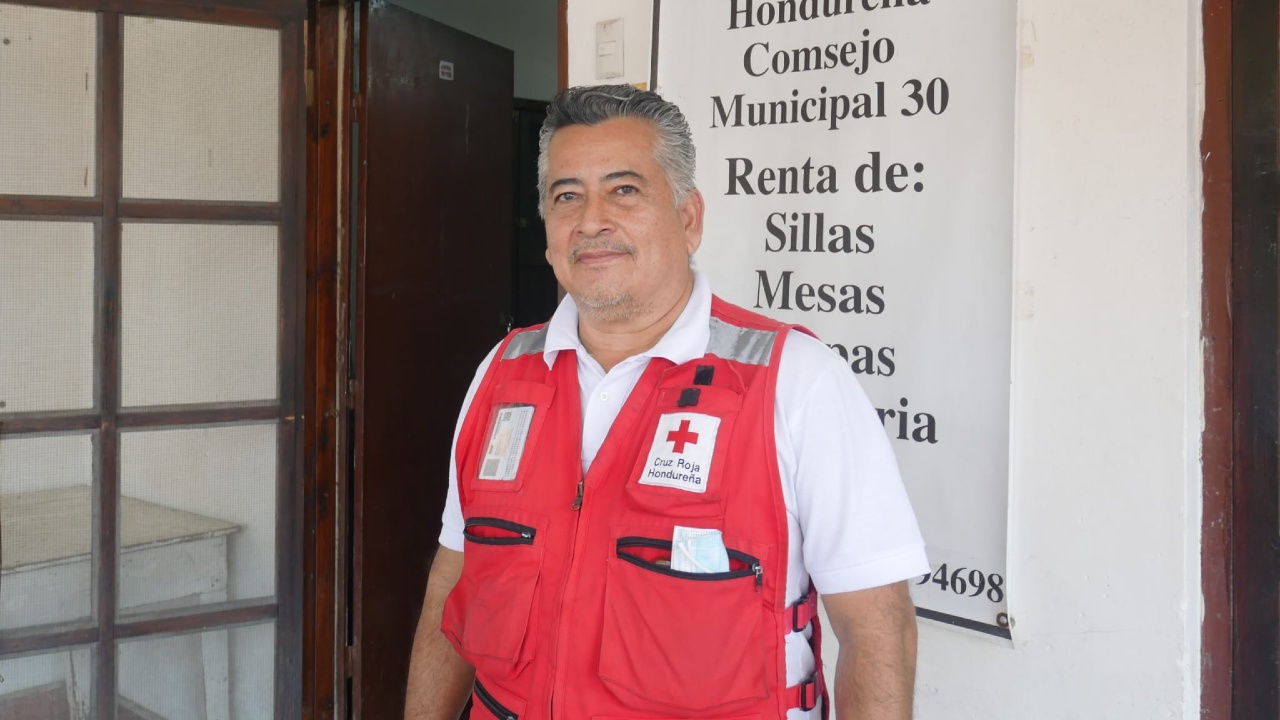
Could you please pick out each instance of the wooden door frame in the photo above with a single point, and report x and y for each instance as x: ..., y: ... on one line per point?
x: 109, y: 208
x: 326, y: 640
x: 562, y: 44
x: 1240, y: 552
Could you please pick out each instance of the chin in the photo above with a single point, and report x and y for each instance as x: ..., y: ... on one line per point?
x: 597, y: 301
x: 603, y: 293
x: 606, y: 306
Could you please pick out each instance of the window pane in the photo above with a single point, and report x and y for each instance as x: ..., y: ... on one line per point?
x: 48, y: 101
x: 201, y: 111
x: 46, y: 515
x: 200, y: 308
x: 42, y: 687
x: 214, y: 674
x: 198, y: 516
x: 46, y: 315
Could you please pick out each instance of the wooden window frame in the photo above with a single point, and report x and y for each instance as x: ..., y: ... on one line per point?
x: 108, y: 210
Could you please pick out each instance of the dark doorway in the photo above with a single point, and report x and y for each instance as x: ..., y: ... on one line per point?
x: 534, y: 282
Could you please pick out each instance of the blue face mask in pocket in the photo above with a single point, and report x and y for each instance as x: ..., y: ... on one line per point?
x: 698, y: 550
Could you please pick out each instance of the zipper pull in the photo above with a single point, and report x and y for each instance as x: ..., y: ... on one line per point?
x: 526, y: 534
x: 759, y: 571
x: 577, y: 501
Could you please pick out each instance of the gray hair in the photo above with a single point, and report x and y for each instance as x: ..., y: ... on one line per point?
x: 593, y: 105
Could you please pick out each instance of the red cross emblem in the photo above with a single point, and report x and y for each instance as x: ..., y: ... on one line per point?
x: 682, y: 436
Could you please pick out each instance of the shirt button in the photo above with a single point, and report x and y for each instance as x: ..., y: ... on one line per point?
x: 604, y: 397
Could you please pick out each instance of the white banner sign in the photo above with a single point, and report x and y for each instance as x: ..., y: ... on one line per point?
x: 857, y: 161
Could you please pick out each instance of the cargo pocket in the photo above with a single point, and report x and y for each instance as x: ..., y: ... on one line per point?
x: 488, y: 613
x: 684, y: 640
x: 485, y: 705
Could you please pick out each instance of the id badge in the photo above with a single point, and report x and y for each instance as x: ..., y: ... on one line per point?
x: 507, y: 437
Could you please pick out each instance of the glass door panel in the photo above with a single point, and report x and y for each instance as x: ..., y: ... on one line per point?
x: 201, y: 111
x: 48, y: 102
x: 46, y: 315
x: 200, y: 311
x: 48, y: 685
x: 198, y: 516
x: 46, y: 512
x: 213, y: 675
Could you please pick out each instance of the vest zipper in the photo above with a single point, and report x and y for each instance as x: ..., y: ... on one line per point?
x: 573, y: 552
x: 577, y: 539
x: 493, y: 705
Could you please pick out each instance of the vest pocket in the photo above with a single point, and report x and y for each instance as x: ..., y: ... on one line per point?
x: 488, y: 613
x: 485, y: 705
x: 677, y: 639
x: 496, y: 531
x: 671, y: 476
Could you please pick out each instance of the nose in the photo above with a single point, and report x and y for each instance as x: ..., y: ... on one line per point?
x: 595, y: 219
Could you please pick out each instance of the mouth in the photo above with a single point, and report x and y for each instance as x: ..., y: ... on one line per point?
x: 598, y: 257
x: 601, y: 254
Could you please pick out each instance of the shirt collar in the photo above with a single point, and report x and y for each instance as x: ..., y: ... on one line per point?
x: 686, y: 339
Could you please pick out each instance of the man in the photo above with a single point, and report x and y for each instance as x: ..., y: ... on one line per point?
x: 646, y: 488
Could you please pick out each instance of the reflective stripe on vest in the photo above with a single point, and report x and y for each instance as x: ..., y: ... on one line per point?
x: 739, y: 344
x: 526, y: 342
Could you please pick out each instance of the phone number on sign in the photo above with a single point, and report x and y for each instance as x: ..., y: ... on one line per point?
x: 966, y: 581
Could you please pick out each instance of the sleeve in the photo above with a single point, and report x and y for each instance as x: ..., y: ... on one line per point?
x: 451, y: 522
x: 857, y: 526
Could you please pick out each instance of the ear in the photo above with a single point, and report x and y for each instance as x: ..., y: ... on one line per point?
x: 691, y: 219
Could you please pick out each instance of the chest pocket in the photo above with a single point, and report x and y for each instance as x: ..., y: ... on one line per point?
x: 514, y: 426
x: 680, y: 468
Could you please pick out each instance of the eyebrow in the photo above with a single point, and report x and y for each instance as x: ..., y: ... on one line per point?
x: 616, y: 175
x: 620, y: 174
x: 561, y: 183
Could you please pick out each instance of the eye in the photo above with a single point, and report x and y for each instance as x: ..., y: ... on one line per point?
x: 627, y: 190
x: 564, y: 197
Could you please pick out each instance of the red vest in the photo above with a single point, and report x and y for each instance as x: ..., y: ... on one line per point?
x: 566, y: 606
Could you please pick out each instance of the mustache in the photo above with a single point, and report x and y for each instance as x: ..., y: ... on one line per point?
x: 601, y: 244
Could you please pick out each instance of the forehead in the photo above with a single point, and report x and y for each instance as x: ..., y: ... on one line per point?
x: 618, y: 142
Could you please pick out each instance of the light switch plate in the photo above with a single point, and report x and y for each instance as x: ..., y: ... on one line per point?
x: 609, y: 50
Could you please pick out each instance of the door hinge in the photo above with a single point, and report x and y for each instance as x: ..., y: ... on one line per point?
x: 353, y: 388
x: 348, y: 662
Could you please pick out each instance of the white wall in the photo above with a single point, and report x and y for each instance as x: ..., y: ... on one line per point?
x: 1104, y: 522
x: 526, y: 27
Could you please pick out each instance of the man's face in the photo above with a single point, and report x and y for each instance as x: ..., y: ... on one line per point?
x: 615, y: 238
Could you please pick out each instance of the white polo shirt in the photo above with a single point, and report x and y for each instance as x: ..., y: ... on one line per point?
x: 850, y: 525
